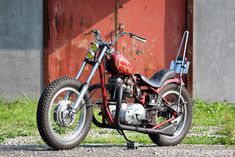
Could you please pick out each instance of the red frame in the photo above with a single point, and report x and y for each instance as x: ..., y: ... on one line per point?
x: 104, y: 94
x: 105, y: 102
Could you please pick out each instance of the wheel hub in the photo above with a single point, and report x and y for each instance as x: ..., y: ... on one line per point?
x: 62, y: 114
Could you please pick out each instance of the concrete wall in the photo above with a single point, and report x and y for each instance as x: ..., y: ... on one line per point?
x: 214, y: 50
x: 20, y: 47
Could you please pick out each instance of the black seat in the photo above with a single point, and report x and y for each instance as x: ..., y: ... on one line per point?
x: 159, y: 78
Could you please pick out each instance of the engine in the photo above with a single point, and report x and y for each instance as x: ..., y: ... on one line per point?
x: 128, y: 87
x: 131, y: 114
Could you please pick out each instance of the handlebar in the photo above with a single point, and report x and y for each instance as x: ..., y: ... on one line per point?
x: 131, y: 35
x: 96, y: 33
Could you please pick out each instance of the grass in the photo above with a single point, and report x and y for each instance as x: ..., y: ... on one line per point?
x: 112, y: 137
x: 213, y: 114
x: 218, y: 114
x: 18, y: 118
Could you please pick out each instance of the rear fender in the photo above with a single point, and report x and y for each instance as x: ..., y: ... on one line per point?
x: 174, y: 80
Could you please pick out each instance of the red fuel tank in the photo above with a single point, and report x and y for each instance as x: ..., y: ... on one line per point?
x: 120, y: 64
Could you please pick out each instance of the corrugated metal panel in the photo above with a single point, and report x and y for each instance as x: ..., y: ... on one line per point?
x: 162, y: 22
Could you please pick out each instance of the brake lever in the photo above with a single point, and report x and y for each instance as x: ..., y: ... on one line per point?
x: 141, y: 39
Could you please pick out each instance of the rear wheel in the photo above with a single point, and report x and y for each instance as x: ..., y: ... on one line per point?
x: 57, y: 125
x: 171, y: 94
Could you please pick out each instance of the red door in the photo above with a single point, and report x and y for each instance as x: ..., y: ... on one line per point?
x: 161, y: 22
x: 64, y: 40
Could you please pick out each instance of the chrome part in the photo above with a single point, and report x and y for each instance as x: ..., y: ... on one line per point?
x: 131, y: 35
x: 96, y: 65
x: 80, y: 70
x: 102, y: 54
x: 113, y: 84
x: 86, y: 85
x: 138, y: 91
x: 152, y: 99
x: 96, y: 33
x: 118, y: 36
x: 138, y: 38
x: 62, y: 114
x: 128, y: 89
x: 131, y: 114
x: 63, y: 127
x: 177, y: 120
x: 114, y: 81
x: 182, y: 120
x: 92, y: 72
x: 80, y: 97
x: 186, y: 33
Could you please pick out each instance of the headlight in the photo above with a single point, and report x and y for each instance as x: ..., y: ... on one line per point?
x: 94, y: 47
x: 90, y: 55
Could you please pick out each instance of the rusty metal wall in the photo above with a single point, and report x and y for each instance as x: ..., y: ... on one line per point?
x: 189, y: 26
x: 162, y: 22
x: 65, y: 23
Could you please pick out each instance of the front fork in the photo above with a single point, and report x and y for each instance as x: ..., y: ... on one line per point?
x: 87, y: 83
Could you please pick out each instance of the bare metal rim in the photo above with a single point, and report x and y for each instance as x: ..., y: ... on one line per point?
x: 80, y: 123
x: 182, y: 122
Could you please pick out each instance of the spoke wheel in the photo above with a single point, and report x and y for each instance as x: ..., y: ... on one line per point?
x: 171, y: 94
x: 59, y: 126
x: 64, y: 125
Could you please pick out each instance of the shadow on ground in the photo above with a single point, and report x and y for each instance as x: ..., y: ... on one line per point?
x: 41, y: 147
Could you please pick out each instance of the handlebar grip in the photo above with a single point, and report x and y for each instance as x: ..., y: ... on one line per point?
x: 137, y: 37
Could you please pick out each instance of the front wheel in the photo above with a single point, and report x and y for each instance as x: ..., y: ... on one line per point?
x: 57, y: 125
x: 171, y: 94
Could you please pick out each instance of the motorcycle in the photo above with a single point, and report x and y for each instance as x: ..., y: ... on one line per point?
x: 159, y: 106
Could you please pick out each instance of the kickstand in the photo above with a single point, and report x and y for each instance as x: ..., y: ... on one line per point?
x: 130, y: 144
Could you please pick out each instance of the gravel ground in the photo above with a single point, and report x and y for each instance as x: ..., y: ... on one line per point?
x: 117, y: 151
x: 27, y: 146
x: 33, y: 146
